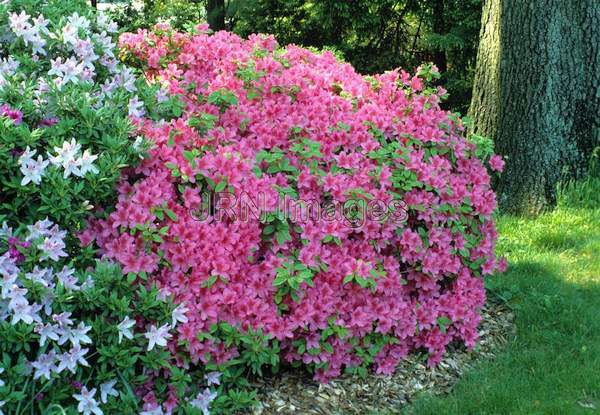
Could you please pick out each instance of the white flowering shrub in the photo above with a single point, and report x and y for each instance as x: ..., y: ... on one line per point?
x: 65, y: 101
x: 86, y: 340
x: 76, y: 334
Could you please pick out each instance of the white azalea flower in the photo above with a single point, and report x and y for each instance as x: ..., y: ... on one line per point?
x: 124, y: 328
x: 25, y: 312
x: 56, y: 67
x: 86, y: 163
x: 126, y: 79
x: 8, y: 268
x: 65, y: 153
x: 67, y: 279
x: 87, y: 404
x: 38, y: 229
x: 33, y: 170
x: 41, y: 276
x: 41, y: 23
x: 203, y: 400
x: 71, y: 167
x: 72, y: 70
x: 106, y: 44
x: 136, y: 107
x: 76, y: 335
x: 52, y: 248
x: 107, y: 389
x: 8, y: 285
x: 63, y: 319
x: 178, y: 315
x: 102, y: 20
x: 44, y: 365
x: 19, y: 23
x: 79, y: 22
x: 47, y: 331
x: 27, y: 154
x: 69, y: 34
x: 16, y: 295
x: 213, y: 378
x: 70, y: 360
x: 157, y: 336
x: 84, y: 49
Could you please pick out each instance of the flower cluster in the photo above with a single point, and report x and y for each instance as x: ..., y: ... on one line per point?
x: 261, y: 120
x: 33, y: 169
x: 97, y: 161
x: 64, y: 99
x: 57, y: 309
x: 39, y: 39
x: 29, y: 299
x: 67, y: 157
x: 8, y: 67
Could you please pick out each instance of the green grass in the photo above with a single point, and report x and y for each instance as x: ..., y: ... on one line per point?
x: 552, y: 366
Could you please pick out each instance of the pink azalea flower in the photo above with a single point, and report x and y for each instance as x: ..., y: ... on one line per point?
x: 496, y: 163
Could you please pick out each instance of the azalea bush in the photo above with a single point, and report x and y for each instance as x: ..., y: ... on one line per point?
x: 283, y: 132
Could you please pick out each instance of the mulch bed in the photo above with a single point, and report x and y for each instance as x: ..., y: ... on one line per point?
x: 294, y: 392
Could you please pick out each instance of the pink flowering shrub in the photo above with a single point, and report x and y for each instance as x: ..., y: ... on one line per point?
x: 399, y: 271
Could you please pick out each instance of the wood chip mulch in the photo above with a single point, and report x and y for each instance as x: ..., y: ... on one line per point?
x: 294, y: 392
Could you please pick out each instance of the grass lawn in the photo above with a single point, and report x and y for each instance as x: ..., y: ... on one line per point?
x: 552, y: 366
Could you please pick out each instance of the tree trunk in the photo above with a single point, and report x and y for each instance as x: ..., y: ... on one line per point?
x: 439, y: 27
x: 215, y: 14
x: 537, y: 94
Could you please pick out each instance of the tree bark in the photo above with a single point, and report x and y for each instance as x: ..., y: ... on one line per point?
x: 537, y: 94
x: 215, y: 14
x: 439, y: 27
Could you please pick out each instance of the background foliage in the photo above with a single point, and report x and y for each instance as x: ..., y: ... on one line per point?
x: 372, y: 36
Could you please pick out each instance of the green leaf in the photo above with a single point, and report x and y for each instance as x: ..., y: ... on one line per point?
x: 362, y: 282
x: 279, y: 280
x: 131, y: 278
x: 221, y: 186
x: 282, y: 236
x: 210, y: 281
x: 171, y: 215
x: 443, y: 323
x: 171, y: 140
